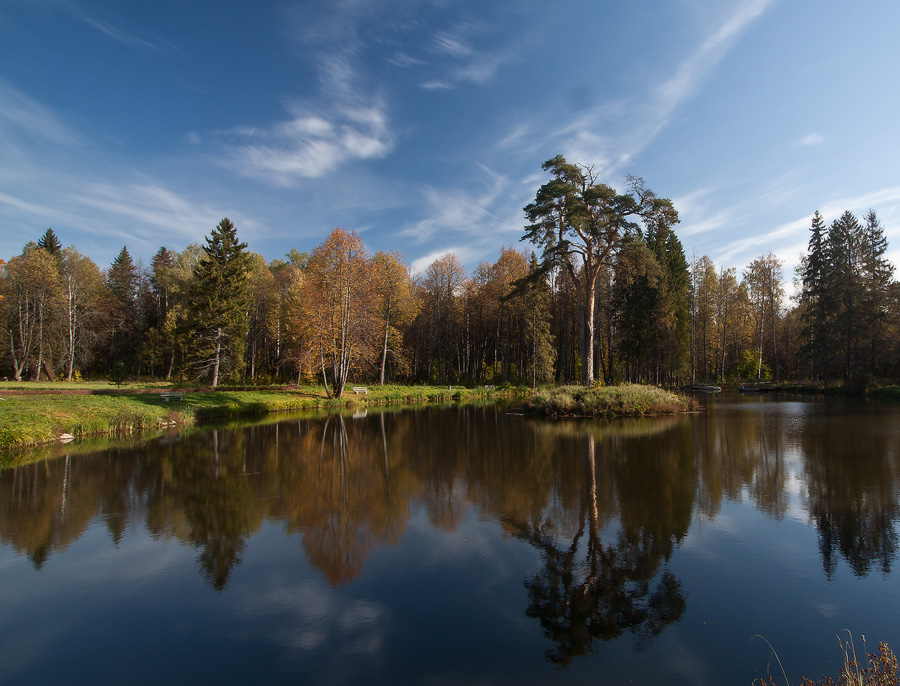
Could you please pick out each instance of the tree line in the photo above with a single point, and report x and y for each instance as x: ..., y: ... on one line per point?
x: 608, y: 295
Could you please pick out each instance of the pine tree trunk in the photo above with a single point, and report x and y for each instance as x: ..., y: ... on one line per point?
x: 587, y: 334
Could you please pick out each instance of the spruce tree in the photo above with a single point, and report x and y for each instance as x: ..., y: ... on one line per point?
x: 844, y: 289
x: 221, y: 291
x: 877, y: 273
x: 50, y: 243
x: 122, y: 285
x: 817, y: 301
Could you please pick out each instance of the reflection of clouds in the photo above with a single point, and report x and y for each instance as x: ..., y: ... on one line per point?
x: 464, y: 542
x: 312, y: 616
x: 827, y: 610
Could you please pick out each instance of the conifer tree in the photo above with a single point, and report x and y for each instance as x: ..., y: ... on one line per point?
x: 219, y: 304
x: 50, y: 243
x: 580, y: 224
x: 159, y: 337
x: 122, y: 285
x: 877, y: 277
x: 845, y: 245
x: 538, y: 335
x: 816, y: 300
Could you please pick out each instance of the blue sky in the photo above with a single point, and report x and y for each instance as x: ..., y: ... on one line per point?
x: 423, y: 124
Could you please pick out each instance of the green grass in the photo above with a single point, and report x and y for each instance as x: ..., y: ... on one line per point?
x: 607, y: 401
x: 31, y: 420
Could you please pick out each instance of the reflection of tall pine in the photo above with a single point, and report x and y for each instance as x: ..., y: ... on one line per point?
x: 220, y: 303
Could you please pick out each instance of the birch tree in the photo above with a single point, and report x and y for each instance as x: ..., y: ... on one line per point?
x: 338, y: 307
x: 81, y: 289
x: 30, y: 288
x: 395, y: 301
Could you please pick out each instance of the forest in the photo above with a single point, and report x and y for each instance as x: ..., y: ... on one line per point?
x: 605, y: 295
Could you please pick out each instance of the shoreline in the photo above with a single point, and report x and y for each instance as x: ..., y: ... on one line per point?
x: 33, y: 418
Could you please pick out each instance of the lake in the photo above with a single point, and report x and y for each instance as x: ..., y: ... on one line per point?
x: 460, y: 545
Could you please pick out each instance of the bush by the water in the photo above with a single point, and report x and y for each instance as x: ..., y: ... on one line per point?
x: 608, y: 401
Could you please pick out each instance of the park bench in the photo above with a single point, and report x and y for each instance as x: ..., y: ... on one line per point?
x: 166, y: 397
x: 360, y: 389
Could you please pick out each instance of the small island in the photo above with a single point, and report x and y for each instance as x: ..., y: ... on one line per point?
x: 630, y: 400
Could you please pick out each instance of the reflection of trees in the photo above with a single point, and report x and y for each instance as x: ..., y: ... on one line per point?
x: 742, y: 453
x: 346, y: 489
x: 588, y: 590
x: 852, y: 479
x: 348, y: 485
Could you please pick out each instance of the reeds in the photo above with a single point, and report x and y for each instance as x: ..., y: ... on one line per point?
x: 878, y: 669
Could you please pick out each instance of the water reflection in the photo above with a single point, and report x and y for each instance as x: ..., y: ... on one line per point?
x: 604, y: 504
x: 588, y: 590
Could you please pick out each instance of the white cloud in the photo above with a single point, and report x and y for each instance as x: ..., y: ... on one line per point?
x: 313, y: 144
x: 811, y: 139
x: 419, y: 265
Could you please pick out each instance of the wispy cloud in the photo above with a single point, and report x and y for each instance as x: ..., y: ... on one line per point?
x: 693, y: 70
x: 21, y: 115
x: 130, y: 39
x: 343, y: 122
x: 460, y: 210
x: 469, y: 222
x: 150, y: 212
x: 401, y: 59
x: 788, y: 239
x: 632, y: 125
x: 811, y: 139
x: 468, y: 64
x: 420, y: 265
x: 450, y: 44
x: 312, y: 144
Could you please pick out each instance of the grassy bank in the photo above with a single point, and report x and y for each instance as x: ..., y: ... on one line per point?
x: 607, y: 401
x: 91, y: 409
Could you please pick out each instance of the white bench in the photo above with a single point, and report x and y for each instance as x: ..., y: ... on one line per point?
x: 360, y: 389
x: 166, y: 397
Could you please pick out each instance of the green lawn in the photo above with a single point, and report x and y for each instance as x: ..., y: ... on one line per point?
x: 28, y: 420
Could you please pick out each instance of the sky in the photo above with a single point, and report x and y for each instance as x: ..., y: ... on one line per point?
x: 423, y: 124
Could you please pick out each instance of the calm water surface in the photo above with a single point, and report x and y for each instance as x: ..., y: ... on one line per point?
x: 459, y: 545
